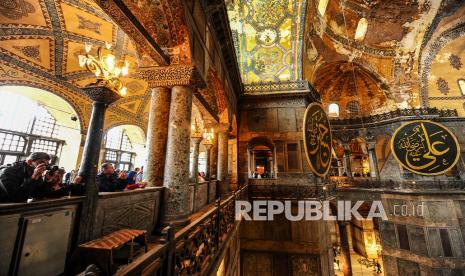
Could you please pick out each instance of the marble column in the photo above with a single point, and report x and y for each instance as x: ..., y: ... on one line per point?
x: 208, y: 149
x: 345, y: 247
x: 348, y: 164
x: 374, y: 172
x: 175, y: 209
x: 194, y: 166
x: 223, y: 138
x: 214, y: 158
x: 157, y: 133
x: 101, y: 97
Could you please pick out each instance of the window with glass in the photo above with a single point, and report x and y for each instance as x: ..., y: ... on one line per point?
x: 333, y: 110
x: 26, y: 126
x: 119, y: 150
x: 461, y: 83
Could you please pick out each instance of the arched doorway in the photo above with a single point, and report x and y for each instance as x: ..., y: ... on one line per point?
x: 262, y: 158
x: 32, y: 120
x: 124, y: 147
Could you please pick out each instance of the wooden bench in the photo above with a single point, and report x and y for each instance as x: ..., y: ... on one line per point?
x: 101, y: 251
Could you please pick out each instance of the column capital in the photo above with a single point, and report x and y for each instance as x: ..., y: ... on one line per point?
x: 102, y: 94
x: 168, y: 76
x: 196, y: 140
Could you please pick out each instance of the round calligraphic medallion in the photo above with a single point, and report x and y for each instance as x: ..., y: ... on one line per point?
x: 425, y: 147
x: 317, y: 139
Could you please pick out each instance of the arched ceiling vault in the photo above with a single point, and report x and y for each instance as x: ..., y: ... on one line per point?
x: 344, y: 82
x: 40, y: 41
x: 391, y: 47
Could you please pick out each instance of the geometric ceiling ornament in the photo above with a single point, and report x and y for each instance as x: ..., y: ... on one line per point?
x: 83, y: 23
x: 455, y: 61
x: 34, y: 50
x: 23, y: 13
x: 130, y: 106
x: 268, y: 38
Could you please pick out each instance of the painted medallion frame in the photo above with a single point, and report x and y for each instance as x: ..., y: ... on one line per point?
x: 440, y: 147
x: 315, y: 118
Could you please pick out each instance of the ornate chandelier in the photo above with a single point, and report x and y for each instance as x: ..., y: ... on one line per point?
x: 196, y: 131
x: 208, y: 137
x: 106, y: 68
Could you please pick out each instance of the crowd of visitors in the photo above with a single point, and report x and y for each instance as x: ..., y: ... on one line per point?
x: 35, y: 178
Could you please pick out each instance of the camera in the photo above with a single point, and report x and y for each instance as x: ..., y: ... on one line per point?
x: 52, y: 168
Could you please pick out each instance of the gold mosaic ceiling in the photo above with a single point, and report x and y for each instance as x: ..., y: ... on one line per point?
x: 268, y: 38
x: 45, y: 37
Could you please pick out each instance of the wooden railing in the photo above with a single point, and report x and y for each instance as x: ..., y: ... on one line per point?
x: 194, y: 249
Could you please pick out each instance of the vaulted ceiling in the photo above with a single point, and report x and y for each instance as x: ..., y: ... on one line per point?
x: 268, y: 38
x: 384, y: 40
x: 40, y: 41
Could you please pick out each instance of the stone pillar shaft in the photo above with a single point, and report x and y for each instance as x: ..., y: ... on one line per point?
x: 373, y: 161
x: 176, y: 174
x: 214, y: 158
x: 223, y: 162
x: 347, y: 161
x: 157, y: 133
x: 101, y: 97
x: 194, y: 166
x: 208, y: 149
x: 345, y: 248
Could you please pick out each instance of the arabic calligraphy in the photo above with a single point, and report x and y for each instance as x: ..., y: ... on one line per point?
x: 317, y: 139
x: 425, y: 147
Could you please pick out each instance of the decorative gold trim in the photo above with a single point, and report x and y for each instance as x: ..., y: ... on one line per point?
x: 305, y: 140
x: 421, y: 173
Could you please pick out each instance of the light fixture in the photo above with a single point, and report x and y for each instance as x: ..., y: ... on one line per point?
x: 105, y: 67
x: 208, y: 137
x: 196, y: 132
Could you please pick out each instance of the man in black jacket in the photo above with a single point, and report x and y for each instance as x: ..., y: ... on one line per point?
x: 24, y: 179
x: 108, y: 181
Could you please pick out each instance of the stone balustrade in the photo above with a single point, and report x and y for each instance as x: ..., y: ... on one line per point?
x: 370, y: 183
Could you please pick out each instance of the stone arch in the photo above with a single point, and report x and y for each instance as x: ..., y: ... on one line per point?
x: 68, y: 99
x: 429, y: 54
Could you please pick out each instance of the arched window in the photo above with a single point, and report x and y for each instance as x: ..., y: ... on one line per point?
x: 322, y: 4
x: 461, y: 83
x: 353, y: 108
x: 26, y: 126
x: 118, y: 149
x: 361, y: 29
x: 333, y: 110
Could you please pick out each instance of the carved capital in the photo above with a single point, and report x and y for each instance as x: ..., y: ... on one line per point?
x: 101, y: 94
x: 175, y: 75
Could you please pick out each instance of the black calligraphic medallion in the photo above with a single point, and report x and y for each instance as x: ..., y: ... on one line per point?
x: 317, y: 139
x: 425, y: 147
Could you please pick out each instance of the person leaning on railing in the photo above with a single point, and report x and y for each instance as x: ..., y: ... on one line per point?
x: 24, y: 179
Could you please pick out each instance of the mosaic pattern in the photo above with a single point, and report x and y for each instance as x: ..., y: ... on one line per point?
x: 443, y: 86
x: 16, y: 9
x: 455, y: 61
x: 268, y: 38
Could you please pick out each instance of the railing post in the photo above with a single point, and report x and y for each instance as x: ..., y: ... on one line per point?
x: 218, y: 223
x: 208, y: 192
x: 168, y: 267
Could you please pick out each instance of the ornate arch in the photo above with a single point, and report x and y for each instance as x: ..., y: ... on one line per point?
x: 429, y: 54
